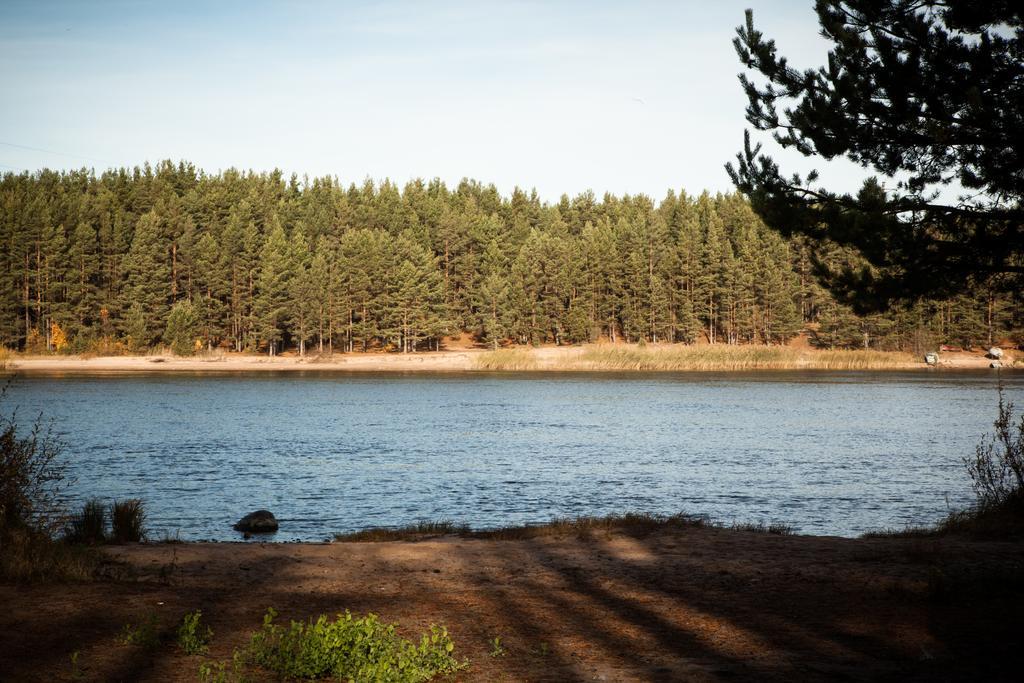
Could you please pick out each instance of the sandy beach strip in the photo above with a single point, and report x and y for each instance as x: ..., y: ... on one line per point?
x: 566, y: 358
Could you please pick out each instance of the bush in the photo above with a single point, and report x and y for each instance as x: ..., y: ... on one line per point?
x: 127, y: 519
x: 997, y: 469
x: 219, y: 672
x: 350, y: 648
x: 145, y: 635
x: 89, y: 525
x: 192, y: 638
x: 32, y: 484
x: 997, y: 475
x: 32, y: 477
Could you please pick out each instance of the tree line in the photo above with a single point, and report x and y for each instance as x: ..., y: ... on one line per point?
x: 134, y: 258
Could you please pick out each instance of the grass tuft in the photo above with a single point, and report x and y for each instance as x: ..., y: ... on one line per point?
x: 410, y: 532
x: 169, y: 538
x: 1003, y: 519
x: 633, y: 523
x: 127, y: 521
x: 907, y: 532
x: 774, y: 528
x: 89, y: 525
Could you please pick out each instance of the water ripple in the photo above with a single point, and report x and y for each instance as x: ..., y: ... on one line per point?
x: 835, y: 453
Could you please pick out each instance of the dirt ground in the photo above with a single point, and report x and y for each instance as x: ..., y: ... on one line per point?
x: 697, y: 604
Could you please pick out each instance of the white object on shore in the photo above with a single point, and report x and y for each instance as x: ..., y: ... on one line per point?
x: 995, y: 365
x: 995, y: 352
x: 931, y: 358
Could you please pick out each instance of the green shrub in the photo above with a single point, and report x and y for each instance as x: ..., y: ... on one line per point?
x: 220, y: 672
x: 192, y: 637
x: 997, y: 469
x: 350, y: 648
x: 997, y: 476
x: 214, y: 672
x: 997, y: 473
x: 32, y: 485
x: 145, y: 635
x: 89, y: 525
x: 127, y: 518
x: 32, y: 476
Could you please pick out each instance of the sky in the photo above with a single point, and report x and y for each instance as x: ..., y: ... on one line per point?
x: 620, y: 97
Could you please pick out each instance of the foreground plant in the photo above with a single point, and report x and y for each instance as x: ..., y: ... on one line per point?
x: 32, y: 476
x: 222, y: 672
x: 33, y: 480
x: 497, y: 649
x: 145, y: 634
x: 192, y: 637
x: 350, y: 648
x: 997, y: 468
x: 997, y: 476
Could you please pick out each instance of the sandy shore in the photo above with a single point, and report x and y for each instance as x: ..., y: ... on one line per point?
x: 444, y: 361
x: 462, y: 360
x: 698, y: 604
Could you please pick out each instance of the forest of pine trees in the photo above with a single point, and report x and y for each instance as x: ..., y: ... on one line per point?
x: 133, y: 259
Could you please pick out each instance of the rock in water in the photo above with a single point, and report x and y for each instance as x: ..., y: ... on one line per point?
x: 259, y: 522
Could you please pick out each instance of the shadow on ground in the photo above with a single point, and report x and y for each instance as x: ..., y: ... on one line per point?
x: 691, y: 604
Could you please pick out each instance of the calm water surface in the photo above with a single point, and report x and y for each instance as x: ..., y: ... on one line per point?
x: 832, y: 453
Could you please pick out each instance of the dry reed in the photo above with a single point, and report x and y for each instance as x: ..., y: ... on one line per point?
x: 32, y: 556
x: 508, y: 359
x: 705, y: 358
x: 127, y: 521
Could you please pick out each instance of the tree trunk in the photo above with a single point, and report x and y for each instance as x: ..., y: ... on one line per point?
x: 991, y: 308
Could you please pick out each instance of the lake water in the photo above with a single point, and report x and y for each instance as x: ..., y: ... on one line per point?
x: 829, y: 453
